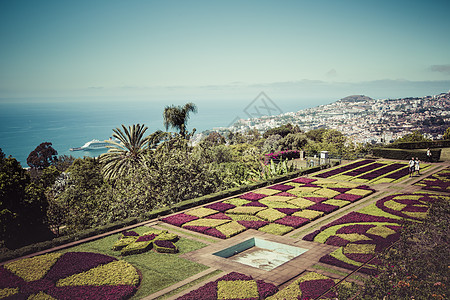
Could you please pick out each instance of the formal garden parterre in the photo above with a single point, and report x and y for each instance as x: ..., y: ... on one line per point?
x: 363, y: 233
x: 277, y: 209
x: 371, y: 171
x: 439, y: 181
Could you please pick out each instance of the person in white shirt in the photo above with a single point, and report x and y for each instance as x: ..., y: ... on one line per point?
x: 412, y: 168
x: 417, y: 166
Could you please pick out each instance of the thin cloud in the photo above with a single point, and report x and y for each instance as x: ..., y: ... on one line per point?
x: 441, y: 68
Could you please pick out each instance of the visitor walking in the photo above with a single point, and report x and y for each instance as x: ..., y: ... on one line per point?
x: 417, y: 166
x: 429, y: 157
x: 412, y: 167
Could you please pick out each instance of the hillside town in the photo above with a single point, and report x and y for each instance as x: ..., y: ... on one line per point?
x: 363, y: 119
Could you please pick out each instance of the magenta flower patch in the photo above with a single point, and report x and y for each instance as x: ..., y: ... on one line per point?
x: 357, y: 228
x: 324, y: 207
x: 215, y: 233
x: 165, y: 244
x: 285, y: 194
x: 292, y: 221
x: 201, y: 229
x: 340, y: 190
x: 255, y: 203
x: 281, y: 187
x: 129, y: 233
x: 219, y: 216
x: 288, y: 211
x: 253, y: 224
x: 312, y: 289
x: 359, y: 171
x: 336, y: 241
x: 303, y: 180
x: 220, y: 206
x: 252, y: 196
x: 9, y: 280
x: 179, y: 219
x: 348, y: 197
x: 328, y: 259
x: 266, y: 289
x: 146, y: 238
x: 310, y: 237
x: 382, y: 171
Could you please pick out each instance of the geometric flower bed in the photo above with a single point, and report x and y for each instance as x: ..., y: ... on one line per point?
x: 131, y: 243
x: 277, y: 209
x: 370, y: 171
x: 361, y: 234
x: 232, y: 286
x: 439, y: 181
x: 73, y: 275
x: 309, y: 285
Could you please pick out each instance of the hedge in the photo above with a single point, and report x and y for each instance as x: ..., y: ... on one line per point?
x: 421, y: 145
x: 405, y: 154
x: 33, y: 248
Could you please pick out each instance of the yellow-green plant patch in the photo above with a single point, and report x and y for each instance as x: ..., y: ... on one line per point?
x: 325, y: 192
x: 277, y: 229
x: 360, y: 180
x: 359, y: 192
x: 206, y: 222
x: 231, y: 228
x: 123, y: 242
x: 337, y: 202
x: 118, y: 272
x: 201, y: 212
x: 360, y: 248
x: 237, y: 201
x: 237, y: 289
x: 353, y: 237
x: 34, y: 268
x: 245, y: 210
x: 302, y: 190
x: 277, y: 204
x: 308, y: 214
x: 244, y: 217
x: 41, y: 296
x: 278, y: 198
x: 301, y: 203
x: 382, y: 180
x: 7, y: 292
x: 266, y: 191
x: 382, y: 231
x: 416, y: 214
x: 270, y: 214
x: 394, y: 205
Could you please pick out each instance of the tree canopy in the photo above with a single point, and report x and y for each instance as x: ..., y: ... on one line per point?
x: 43, y: 156
x: 178, y: 116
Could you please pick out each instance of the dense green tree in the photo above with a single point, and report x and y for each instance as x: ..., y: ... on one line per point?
x: 283, y: 130
x: 415, y: 136
x: 214, y: 138
x: 43, y: 156
x: 292, y: 141
x: 316, y: 134
x: 178, y: 116
x: 22, y: 206
x: 271, y: 143
x: 125, y: 154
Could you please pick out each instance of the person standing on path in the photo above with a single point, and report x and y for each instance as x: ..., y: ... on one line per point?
x: 412, y: 165
x: 417, y: 165
x: 430, y: 159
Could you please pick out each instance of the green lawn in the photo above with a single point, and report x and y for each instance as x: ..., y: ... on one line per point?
x: 158, y: 269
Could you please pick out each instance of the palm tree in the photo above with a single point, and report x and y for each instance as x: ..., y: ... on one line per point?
x: 177, y: 117
x: 125, y: 154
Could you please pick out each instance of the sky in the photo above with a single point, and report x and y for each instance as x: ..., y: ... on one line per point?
x: 101, y: 49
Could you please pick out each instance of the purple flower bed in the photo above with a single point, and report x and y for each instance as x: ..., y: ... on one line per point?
x: 399, y: 174
x: 76, y: 262
x: 252, y: 196
x: 255, y: 203
x: 345, y: 168
x: 336, y: 241
x: 411, y: 206
x: 92, y: 292
x: 356, y: 217
x: 253, y: 224
x: 348, y: 197
x: 220, y: 206
x: 316, y: 199
x: 146, y: 238
x: 324, y: 207
x: 266, y: 289
x: 9, y: 280
x: 312, y: 289
x: 437, y: 184
x: 36, y: 286
x: 215, y: 233
x: 340, y: 190
x: 201, y: 229
x: 206, y: 292
x: 382, y: 171
x: 179, y: 219
x: 165, y: 244
x: 286, y: 194
x: 360, y: 257
x: 310, y: 237
x: 303, y: 180
x: 219, y: 216
x: 328, y: 259
x: 364, y: 169
x: 288, y: 211
x: 355, y: 228
x: 130, y: 233
x: 292, y: 221
x: 281, y: 187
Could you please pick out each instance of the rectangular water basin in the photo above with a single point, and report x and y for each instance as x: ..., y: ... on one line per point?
x: 261, y: 254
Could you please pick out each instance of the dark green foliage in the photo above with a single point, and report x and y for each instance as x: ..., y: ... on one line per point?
x: 415, y: 136
x: 405, y: 154
x: 283, y: 130
x: 43, y: 156
x: 178, y: 116
x: 22, y: 206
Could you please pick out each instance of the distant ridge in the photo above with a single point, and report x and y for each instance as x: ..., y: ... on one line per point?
x: 355, y: 98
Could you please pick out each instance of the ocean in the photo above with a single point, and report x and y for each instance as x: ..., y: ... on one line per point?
x: 25, y: 123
